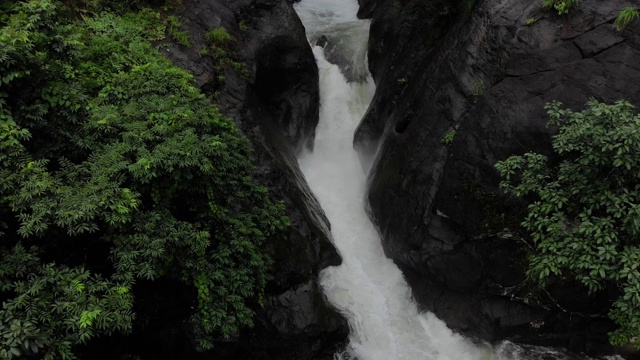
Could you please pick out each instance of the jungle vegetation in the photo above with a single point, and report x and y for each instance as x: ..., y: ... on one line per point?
x: 584, y: 218
x: 116, y: 171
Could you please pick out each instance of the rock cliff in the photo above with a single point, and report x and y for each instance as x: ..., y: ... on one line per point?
x: 460, y: 86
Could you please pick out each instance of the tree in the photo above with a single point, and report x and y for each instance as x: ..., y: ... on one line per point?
x: 585, y: 217
x: 115, y: 169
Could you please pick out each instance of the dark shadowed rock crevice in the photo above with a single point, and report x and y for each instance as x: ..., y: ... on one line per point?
x: 285, y: 74
x: 462, y: 85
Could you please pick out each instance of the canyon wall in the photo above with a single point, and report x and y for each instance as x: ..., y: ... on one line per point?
x: 462, y: 85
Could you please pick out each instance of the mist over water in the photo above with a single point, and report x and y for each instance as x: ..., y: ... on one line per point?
x: 368, y: 288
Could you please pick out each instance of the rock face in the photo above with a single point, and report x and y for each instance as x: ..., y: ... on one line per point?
x: 460, y: 86
x: 275, y: 102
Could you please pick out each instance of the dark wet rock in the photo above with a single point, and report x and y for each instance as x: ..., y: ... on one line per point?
x: 629, y: 352
x: 286, y: 74
x: 272, y: 46
x: 322, y: 41
x: 482, y: 72
x: 341, y: 49
x: 598, y: 40
x: 301, y: 316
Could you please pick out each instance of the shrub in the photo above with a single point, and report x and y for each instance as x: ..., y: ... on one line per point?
x: 585, y: 217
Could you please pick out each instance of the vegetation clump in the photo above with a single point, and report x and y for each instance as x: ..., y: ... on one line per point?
x: 115, y: 169
x: 219, y: 42
x: 479, y: 88
x: 219, y: 37
x: 562, y: 7
x: 625, y: 18
x: 585, y: 214
x: 174, y: 28
x: 447, y: 139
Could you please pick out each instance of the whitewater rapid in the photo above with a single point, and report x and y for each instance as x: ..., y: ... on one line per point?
x: 368, y: 288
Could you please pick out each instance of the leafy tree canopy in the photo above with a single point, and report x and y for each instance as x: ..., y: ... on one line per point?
x: 114, y: 168
x: 585, y: 220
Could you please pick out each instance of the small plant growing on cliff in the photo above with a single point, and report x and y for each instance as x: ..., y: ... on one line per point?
x: 219, y: 37
x: 219, y: 48
x: 448, y: 137
x: 241, y: 68
x: 219, y: 40
x: 626, y: 17
x: 174, y: 28
x: 172, y: 5
x: 530, y: 21
x: 585, y: 217
x: 243, y: 25
x: 478, y: 88
x: 562, y: 7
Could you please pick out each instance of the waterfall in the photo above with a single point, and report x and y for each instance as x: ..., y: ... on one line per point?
x: 368, y: 288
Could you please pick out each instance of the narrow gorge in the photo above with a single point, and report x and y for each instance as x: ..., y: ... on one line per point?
x: 317, y: 179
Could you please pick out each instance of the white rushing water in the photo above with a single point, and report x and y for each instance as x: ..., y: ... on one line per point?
x: 368, y: 288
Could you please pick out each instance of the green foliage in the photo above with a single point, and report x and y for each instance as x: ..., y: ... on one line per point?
x: 56, y: 306
x: 448, y: 137
x: 243, y: 25
x: 172, y: 5
x: 530, y: 21
x: 220, y: 50
x: 493, y: 219
x: 626, y: 17
x: 478, y: 88
x: 174, y: 28
x: 219, y: 37
x: 241, y: 68
x: 562, y: 7
x: 585, y: 219
x: 114, y: 168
